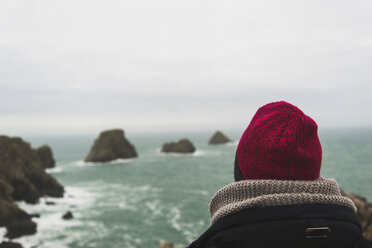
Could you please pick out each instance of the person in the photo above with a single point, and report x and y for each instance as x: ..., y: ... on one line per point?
x: 278, y: 198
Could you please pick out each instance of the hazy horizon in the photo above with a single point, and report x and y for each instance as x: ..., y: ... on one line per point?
x: 70, y: 67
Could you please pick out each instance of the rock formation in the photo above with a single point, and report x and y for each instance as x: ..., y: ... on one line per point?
x: 21, y: 168
x: 218, y: 138
x: 22, y: 178
x: 46, y: 156
x: 166, y: 245
x: 68, y: 215
x: 364, y: 212
x: 111, y: 145
x: 6, y: 244
x: 182, y: 146
x: 15, y: 220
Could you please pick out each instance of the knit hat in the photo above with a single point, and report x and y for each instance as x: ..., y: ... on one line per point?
x: 281, y: 143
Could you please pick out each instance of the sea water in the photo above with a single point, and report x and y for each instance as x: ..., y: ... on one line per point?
x: 162, y: 197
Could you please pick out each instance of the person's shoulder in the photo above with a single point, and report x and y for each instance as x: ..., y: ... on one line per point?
x: 363, y: 243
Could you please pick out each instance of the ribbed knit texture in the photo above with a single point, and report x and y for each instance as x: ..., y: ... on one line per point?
x: 281, y: 142
x: 265, y: 193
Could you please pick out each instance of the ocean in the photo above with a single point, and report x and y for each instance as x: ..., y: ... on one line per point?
x: 162, y: 197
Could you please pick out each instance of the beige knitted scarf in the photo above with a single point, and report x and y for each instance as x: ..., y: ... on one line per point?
x: 264, y: 193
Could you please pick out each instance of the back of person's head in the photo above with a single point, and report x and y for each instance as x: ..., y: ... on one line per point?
x: 281, y: 143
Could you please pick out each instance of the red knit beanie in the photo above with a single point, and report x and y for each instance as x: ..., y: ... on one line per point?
x: 281, y: 143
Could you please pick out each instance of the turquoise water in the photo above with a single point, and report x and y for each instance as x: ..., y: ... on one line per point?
x: 157, y: 197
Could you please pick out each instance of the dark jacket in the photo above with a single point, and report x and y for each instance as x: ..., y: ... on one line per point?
x: 297, y: 226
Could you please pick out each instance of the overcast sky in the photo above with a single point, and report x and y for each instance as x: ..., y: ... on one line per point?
x: 75, y: 66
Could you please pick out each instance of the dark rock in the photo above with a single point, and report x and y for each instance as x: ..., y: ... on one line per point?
x: 166, y: 245
x: 5, y: 244
x: 50, y: 203
x: 22, y: 178
x: 364, y: 212
x: 111, y: 145
x: 46, y: 156
x: 21, y: 228
x: 15, y: 220
x: 182, y: 146
x: 35, y: 215
x: 22, y: 169
x: 68, y: 215
x: 218, y: 138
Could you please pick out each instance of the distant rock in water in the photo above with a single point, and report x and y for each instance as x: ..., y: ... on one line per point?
x: 68, y: 215
x: 364, y: 212
x: 22, y: 178
x: 182, y: 146
x: 166, y: 245
x: 46, y: 156
x: 111, y: 145
x: 218, y: 138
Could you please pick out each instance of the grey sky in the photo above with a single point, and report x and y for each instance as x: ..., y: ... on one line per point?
x: 82, y: 66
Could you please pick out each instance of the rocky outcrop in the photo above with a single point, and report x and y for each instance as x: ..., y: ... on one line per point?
x: 22, y: 178
x: 22, y: 169
x: 364, y: 212
x: 111, y: 145
x: 46, y: 156
x: 166, y: 245
x: 15, y: 220
x: 68, y: 215
x: 182, y: 146
x: 218, y: 138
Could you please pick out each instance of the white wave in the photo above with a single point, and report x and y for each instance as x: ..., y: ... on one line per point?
x: 51, y: 236
x: 75, y: 199
x: 113, y: 162
x: 2, y: 231
x: 233, y: 143
x: 126, y: 206
x: 196, y: 191
x: 130, y: 189
x: 197, y: 153
x: 185, y: 228
x: 155, y: 208
x: 51, y: 224
x: 131, y: 242
x: 174, y: 216
x: 54, y: 170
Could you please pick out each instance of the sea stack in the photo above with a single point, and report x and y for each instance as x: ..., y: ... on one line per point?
x: 46, y: 156
x: 218, y: 138
x: 111, y: 145
x: 181, y: 146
